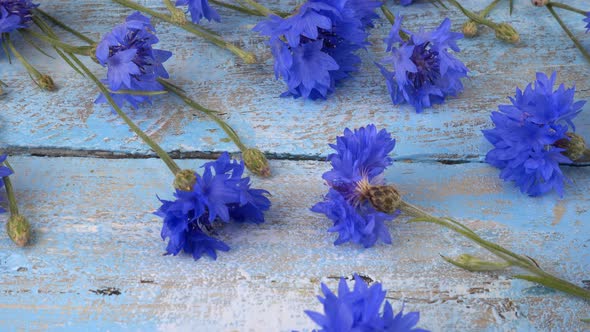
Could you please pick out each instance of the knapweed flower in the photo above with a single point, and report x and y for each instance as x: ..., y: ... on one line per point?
x: 132, y: 63
x: 587, y: 20
x: 314, y: 48
x: 4, y: 171
x: 357, y: 202
x: 424, y: 72
x: 15, y: 14
x: 526, y: 134
x: 221, y: 193
x: 360, y: 310
x: 199, y: 9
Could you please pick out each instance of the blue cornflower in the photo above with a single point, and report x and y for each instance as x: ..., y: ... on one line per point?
x: 199, y: 9
x: 4, y: 171
x: 132, y: 63
x: 359, y: 310
x: 526, y: 134
x: 587, y: 19
x: 424, y: 72
x: 361, y: 157
x: 221, y: 193
x: 15, y: 14
x: 314, y: 48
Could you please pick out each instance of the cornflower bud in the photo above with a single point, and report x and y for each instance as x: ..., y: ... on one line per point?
x: 18, y: 230
x: 46, y: 83
x: 507, y: 33
x: 475, y: 264
x: 384, y: 198
x: 470, y: 29
x: 256, y: 162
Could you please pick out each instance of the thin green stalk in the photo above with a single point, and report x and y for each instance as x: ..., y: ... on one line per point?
x: 2, y: 83
x: 391, y: 18
x: 260, y: 8
x: 474, y: 17
x: 567, y: 7
x: 12, y: 205
x: 153, y: 145
x: 539, y: 275
x: 63, y: 26
x: 237, y: 8
x: 568, y: 32
x: 248, y: 57
x: 32, y: 70
x: 231, y: 133
x: 81, y: 50
x: 489, y: 8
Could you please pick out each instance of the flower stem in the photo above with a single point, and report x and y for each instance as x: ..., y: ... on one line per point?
x: 42, y: 81
x: 12, y: 205
x: 63, y: 26
x: 391, y: 18
x: 567, y: 7
x: 260, y: 8
x: 153, y: 145
x: 525, y: 262
x: 474, y: 17
x: 248, y: 57
x: 237, y: 8
x: 484, y: 13
x: 231, y: 133
x: 568, y: 32
x: 82, y: 50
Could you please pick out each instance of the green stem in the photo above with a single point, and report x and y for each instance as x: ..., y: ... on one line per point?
x: 12, y: 205
x: 81, y: 50
x: 64, y: 26
x: 32, y: 70
x: 391, y: 18
x: 567, y: 7
x: 237, y: 8
x: 231, y: 133
x: 568, y: 32
x: 474, y: 17
x: 489, y: 8
x: 2, y: 83
x: 153, y: 145
x: 524, y: 262
x: 248, y: 57
x: 260, y: 8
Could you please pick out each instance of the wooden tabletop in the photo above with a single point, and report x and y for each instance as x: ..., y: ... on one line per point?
x: 88, y: 185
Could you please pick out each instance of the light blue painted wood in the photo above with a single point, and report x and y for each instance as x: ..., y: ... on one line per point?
x: 94, y: 229
x: 248, y: 94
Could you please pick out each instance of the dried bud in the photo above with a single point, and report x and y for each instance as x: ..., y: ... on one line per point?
x: 256, y: 162
x: 384, y: 198
x: 574, y: 147
x: 18, y: 230
x: 470, y: 29
x: 474, y: 264
x: 185, y: 180
x: 539, y: 3
x: 506, y: 32
x: 46, y: 83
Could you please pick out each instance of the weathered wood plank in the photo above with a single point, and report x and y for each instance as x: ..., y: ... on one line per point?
x: 94, y: 229
x: 248, y: 94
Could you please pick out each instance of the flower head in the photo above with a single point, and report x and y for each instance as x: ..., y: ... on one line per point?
x: 361, y: 157
x: 314, y: 48
x: 587, y: 20
x: 15, y: 14
x: 4, y: 171
x: 359, y: 310
x: 221, y: 193
x: 424, y: 72
x: 526, y: 133
x: 199, y: 9
x: 132, y: 63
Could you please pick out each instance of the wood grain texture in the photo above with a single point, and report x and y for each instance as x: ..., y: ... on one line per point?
x: 247, y: 95
x: 95, y: 233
